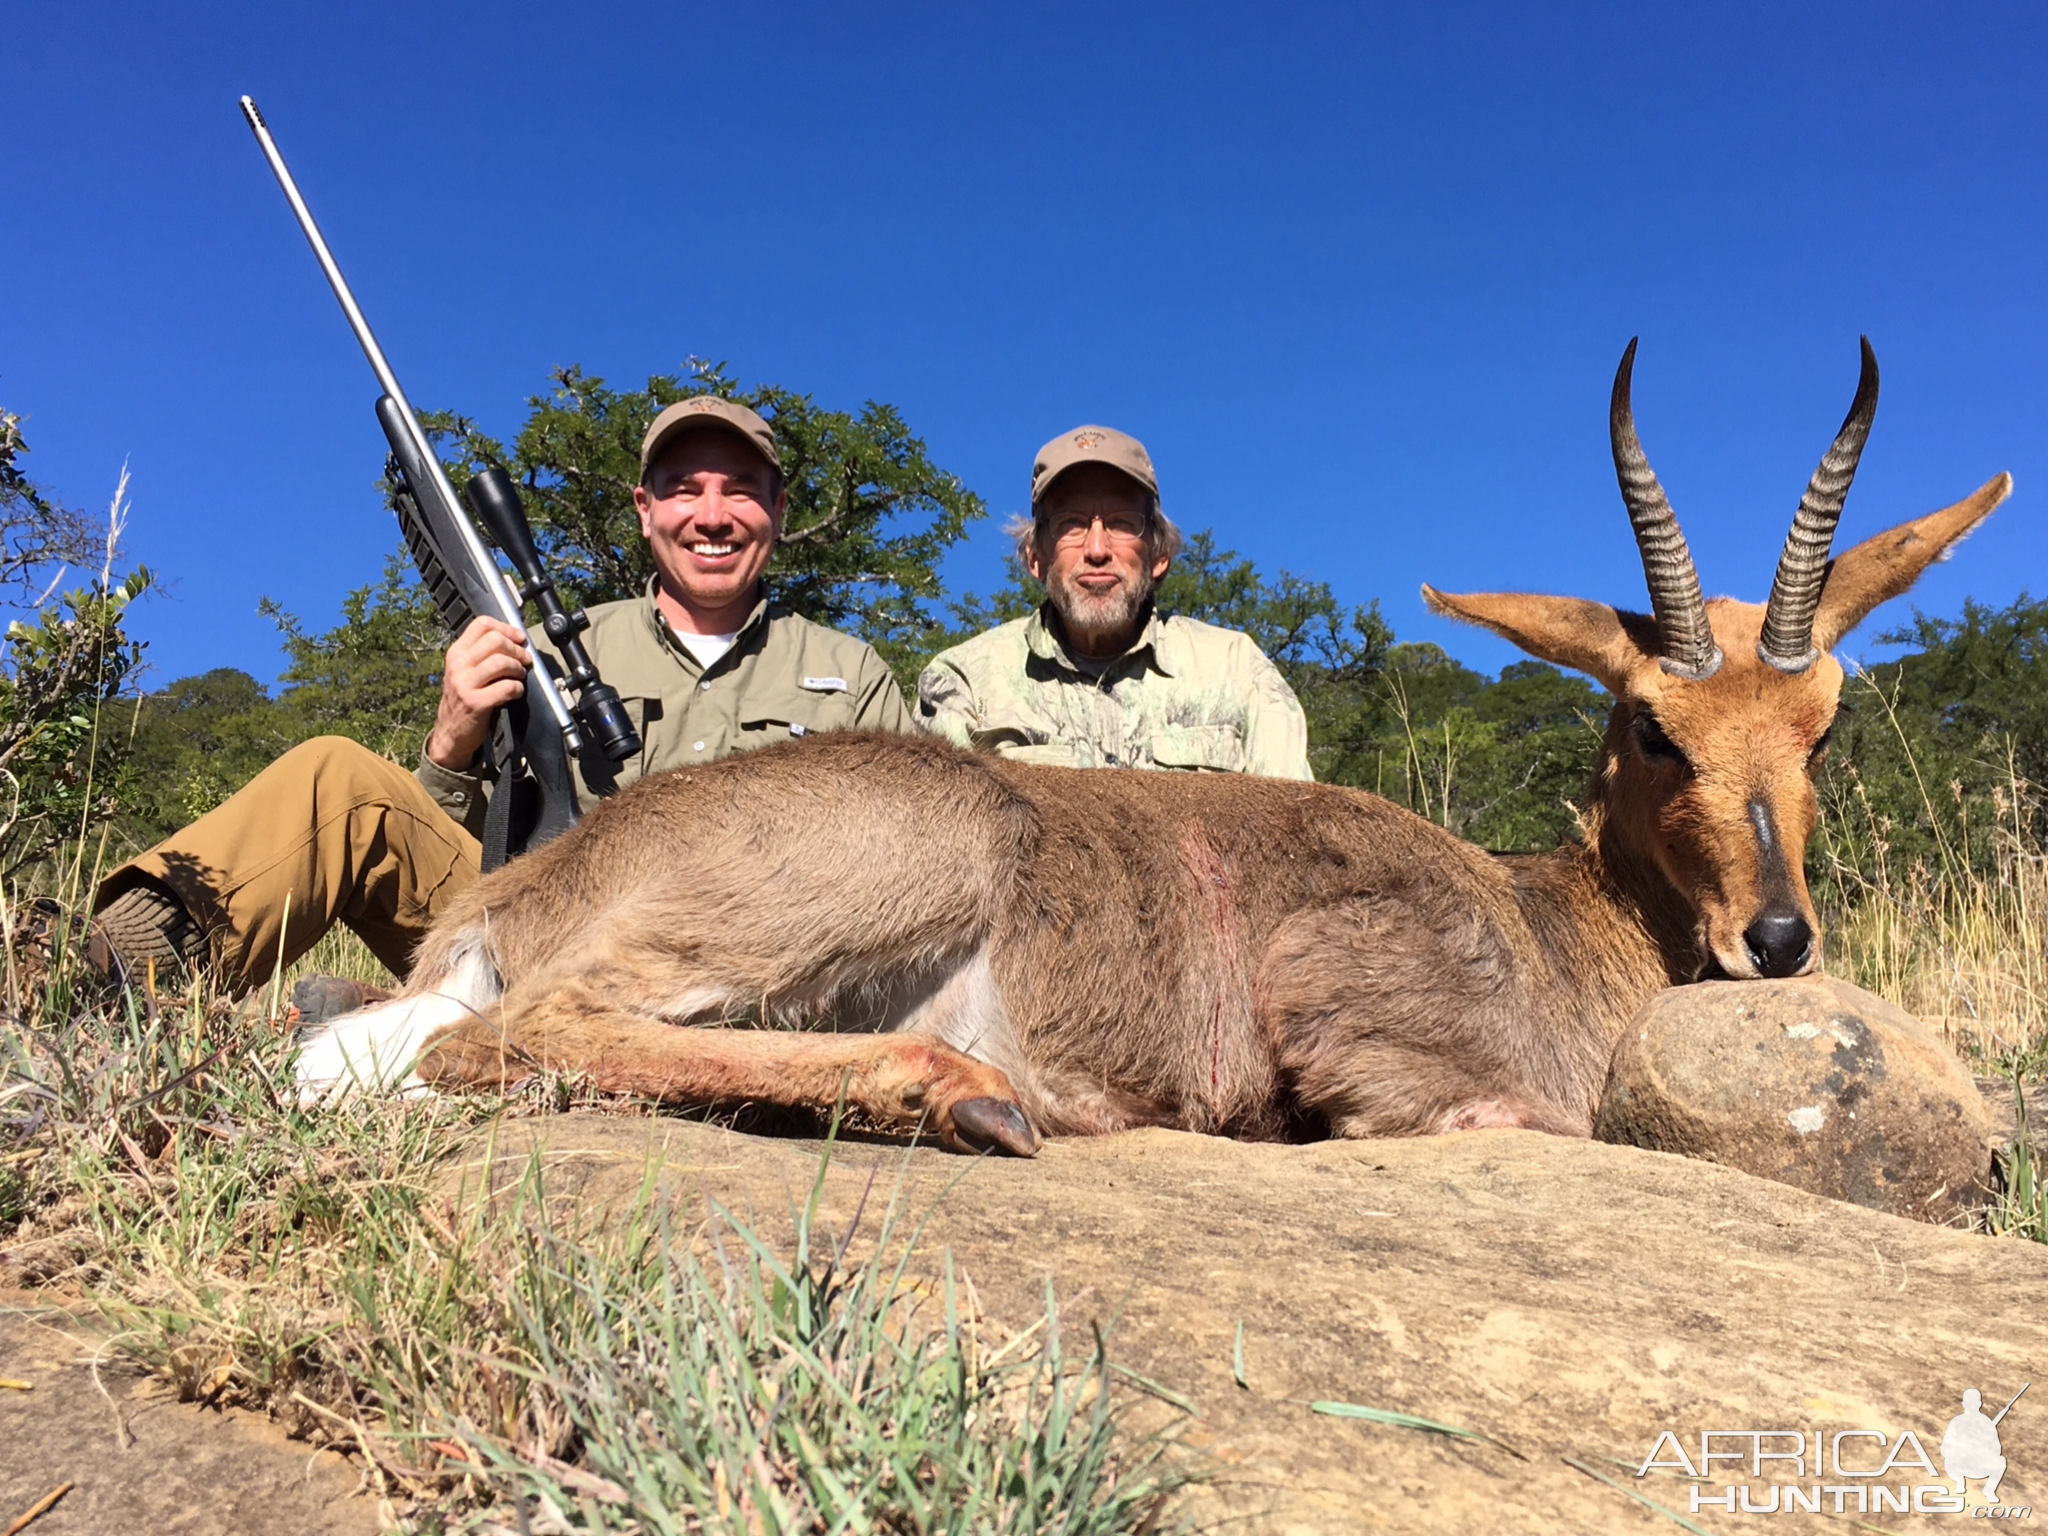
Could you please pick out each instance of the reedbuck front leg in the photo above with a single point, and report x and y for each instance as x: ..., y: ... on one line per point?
x: 1391, y: 1018
x: 900, y: 1079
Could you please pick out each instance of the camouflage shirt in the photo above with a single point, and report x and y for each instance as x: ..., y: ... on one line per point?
x: 1185, y: 695
x: 783, y: 677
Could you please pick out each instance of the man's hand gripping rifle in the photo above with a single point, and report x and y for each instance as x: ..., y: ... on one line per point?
x: 542, y: 732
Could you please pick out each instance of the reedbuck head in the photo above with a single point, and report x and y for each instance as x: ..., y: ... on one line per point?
x: 1722, y: 708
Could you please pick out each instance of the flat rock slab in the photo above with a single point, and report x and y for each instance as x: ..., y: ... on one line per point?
x: 143, y: 1462
x: 1569, y: 1297
x: 1812, y: 1082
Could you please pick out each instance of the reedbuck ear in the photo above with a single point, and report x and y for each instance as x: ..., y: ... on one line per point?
x: 1565, y: 631
x: 1885, y: 566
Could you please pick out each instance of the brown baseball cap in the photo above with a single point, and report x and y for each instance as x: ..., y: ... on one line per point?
x: 1092, y: 445
x: 701, y: 411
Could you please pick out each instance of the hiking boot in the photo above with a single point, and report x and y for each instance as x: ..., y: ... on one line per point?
x: 144, y: 923
x: 320, y: 999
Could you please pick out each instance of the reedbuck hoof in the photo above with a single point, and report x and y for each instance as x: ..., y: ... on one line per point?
x: 982, y: 1125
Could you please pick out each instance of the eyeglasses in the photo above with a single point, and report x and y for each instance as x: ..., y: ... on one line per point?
x: 1071, y: 528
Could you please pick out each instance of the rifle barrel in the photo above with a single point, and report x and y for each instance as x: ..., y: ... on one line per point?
x: 508, y: 606
x: 2015, y: 1398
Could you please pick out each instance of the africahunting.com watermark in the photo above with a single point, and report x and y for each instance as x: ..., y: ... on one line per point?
x: 1857, y: 1471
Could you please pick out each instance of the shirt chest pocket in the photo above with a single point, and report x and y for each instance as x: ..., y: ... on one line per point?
x: 1209, y: 748
x: 795, y: 713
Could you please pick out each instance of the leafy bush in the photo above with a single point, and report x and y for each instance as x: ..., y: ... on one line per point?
x: 193, y: 744
x: 63, y: 662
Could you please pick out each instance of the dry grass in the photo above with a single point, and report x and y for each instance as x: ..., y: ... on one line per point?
x: 1968, y: 955
x: 1957, y: 937
x: 1959, y: 940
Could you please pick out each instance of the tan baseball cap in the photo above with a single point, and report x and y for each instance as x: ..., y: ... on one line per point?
x: 1092, y: 445
x: 701, y: 411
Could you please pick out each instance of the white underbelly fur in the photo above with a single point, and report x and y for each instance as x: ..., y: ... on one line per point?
x: 963, y: 1008
x: 377, y: 1047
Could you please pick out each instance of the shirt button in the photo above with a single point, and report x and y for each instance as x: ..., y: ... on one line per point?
x: 699, y: 747
x: 705, y: 685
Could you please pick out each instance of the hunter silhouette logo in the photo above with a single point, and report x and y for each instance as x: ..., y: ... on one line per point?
x: 1971, y: 1447
x: 1852, y: 1470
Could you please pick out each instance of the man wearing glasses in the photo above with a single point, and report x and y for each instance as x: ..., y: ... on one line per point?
x: 1097, y: 677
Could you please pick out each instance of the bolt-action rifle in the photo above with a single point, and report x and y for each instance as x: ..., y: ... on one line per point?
x: 533, y: 740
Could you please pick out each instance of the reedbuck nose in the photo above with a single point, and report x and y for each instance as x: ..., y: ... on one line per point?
x: 1779, y: 942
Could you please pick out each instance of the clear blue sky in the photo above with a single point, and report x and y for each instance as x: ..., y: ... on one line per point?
x: 1359, y: 276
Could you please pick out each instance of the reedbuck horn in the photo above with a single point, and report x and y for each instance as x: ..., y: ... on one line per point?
x: 1687, y: 639
x: 1787, y: 642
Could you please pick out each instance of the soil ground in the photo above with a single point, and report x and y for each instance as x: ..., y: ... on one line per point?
x: 138, y: 1459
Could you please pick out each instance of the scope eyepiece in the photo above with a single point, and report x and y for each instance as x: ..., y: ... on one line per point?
x: 605, y: 718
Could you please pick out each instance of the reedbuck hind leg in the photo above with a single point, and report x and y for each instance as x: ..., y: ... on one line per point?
x: 901, y: 1080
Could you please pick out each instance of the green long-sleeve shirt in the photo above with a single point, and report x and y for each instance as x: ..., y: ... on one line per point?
x: 784, y: 677
x: 1185, y: 695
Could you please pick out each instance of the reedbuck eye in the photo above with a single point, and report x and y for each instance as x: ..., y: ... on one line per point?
x: 1655, y: 744
x: 1820, y: 748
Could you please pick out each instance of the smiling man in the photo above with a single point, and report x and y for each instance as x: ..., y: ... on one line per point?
x: 705, y: 663
x: 1097, y: 677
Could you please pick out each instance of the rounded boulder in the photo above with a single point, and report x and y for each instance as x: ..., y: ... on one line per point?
x: 1811, y: 1082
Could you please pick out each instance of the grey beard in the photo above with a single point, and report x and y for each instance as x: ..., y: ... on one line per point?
x: 1086, y: 617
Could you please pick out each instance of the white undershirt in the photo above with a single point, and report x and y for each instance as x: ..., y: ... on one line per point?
x: 707, y: 648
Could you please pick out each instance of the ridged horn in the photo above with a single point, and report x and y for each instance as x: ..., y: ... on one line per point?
x: 1787, y: 642
x: 1685, y: 637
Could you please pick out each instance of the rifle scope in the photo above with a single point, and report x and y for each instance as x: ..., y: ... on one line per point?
x: 495, y: 500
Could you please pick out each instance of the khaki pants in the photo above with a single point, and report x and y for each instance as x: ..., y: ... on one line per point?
x: 345, y: 835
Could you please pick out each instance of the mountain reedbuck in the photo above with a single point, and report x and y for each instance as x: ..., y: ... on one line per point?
x: 997, y: 950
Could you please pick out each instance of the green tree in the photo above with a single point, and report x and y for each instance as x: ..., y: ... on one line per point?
x: 1979, y: 682
x: 1501, y: 761
x: 195, y: 743
x: 375, y: 676
x: 38, y: 534
x: 1940, y: 755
